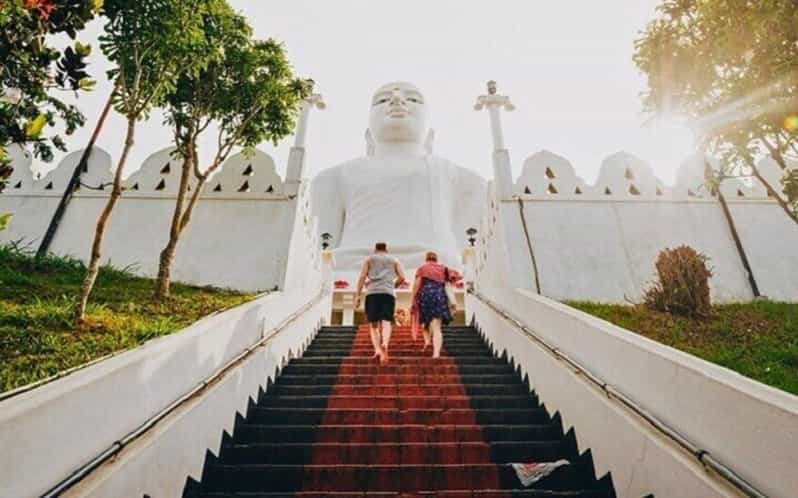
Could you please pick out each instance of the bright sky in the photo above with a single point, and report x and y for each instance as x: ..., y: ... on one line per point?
x: 566, y: 65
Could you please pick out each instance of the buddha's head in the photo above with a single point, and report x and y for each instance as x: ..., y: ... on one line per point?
x: 398, y: 114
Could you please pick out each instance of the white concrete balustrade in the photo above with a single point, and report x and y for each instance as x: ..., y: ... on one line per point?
x: 600, y: 248
x: 599, y: 242
x: 57, y: 428
x: 239, y: 236
x: 750, y: 427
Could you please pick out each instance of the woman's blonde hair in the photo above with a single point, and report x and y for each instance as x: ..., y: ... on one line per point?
x: 432, y: 256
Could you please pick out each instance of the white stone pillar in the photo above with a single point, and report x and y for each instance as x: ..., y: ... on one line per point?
x: 327, y: 267
x: 296, y: 157
x: 502, y: 171
x: 494, y: 112
x: 519, y: 271
x: 315, y: 100
x: 348, y: 306
x: 469, y: 265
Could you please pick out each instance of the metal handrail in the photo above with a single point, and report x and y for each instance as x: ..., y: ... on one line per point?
x: 703, y: 456
x: 117, y: 446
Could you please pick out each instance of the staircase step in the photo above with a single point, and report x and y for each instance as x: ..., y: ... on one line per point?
x: 311, y: 389
x: 409, y: 433
x: 399, y: 379
x: 437, y: 402
x: 413, y: 352
x: 392, y: 478
x: 290, y: 416
x: 517, y: 493
x: 405, y: 453
x: 393, y: 369
x: 397, y: 358
x: 336, y: 423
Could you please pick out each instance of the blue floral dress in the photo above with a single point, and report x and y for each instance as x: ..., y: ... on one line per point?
x: 433, y: 303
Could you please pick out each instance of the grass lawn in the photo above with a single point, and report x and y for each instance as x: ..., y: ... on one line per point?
x: 758, y: 340
x: 38, y: 337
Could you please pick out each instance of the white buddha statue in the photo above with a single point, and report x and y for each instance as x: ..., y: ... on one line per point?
x: 399, y: 192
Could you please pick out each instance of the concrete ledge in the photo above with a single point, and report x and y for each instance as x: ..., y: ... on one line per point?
x: 750, y: 427
x: 160, y: 463
x: 51, y: 431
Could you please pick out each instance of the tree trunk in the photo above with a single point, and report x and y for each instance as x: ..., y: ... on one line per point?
x: 738, y: 243
x: 772, y: 192
x: 162, y: 286
x: 198, y: 190
x: 74, y: 181
x: 96, y: 248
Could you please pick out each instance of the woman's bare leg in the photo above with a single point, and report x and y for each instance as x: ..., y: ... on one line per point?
x: 437, y: 337
x: 427, y: 337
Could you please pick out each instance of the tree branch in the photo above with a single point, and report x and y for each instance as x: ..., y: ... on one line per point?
x: 771, y: 191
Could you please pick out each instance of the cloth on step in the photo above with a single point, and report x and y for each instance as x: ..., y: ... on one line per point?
x: 530, y: 473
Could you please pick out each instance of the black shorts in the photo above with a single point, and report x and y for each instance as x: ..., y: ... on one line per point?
x: 380, y: 307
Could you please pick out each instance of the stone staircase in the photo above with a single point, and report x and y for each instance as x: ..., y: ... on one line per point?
x: 337, y: 424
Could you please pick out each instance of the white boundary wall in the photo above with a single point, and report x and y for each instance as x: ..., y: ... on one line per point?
x: 238, y: 237
x: 599, y: 242
x: 81, y: 415
x: 750, y: 427
x: 591, y: 242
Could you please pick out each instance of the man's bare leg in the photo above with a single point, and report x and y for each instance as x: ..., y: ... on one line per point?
x: 387, y: 328
x: 374, y: 329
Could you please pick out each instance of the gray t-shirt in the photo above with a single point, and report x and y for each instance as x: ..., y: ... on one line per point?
x: 382, y: 273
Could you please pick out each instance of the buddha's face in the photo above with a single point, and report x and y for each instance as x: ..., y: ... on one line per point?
x: 398, y: 114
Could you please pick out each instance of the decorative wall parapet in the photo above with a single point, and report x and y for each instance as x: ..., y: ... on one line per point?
x: 624, y: 176
x: 21, y: 179
x: 246, y: 173
x: 239, y: 237
x: 545, y: 173
x: 242, y: 175
x: 160, y: 173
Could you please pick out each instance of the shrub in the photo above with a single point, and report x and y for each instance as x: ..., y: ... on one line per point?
x: 683, y: 284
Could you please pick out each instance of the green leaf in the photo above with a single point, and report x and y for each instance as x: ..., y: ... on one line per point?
x: 4, y: 219
x: 82, y: 50
x: 87, y: 84
x: 34, y: 128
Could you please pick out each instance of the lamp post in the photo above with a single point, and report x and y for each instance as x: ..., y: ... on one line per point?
x: 472, y: 239
x: 325, y: 240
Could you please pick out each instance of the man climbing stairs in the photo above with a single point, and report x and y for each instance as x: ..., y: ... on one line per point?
x: 337, y: 424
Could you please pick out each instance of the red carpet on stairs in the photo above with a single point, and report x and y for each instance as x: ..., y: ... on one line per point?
x: 336, y: 423
x: 409, y: 423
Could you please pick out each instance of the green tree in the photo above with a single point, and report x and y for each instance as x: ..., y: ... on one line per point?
x: 33, y: 72
x: 731, y: 68
x: 150, y: 43
x: 247, y: 95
